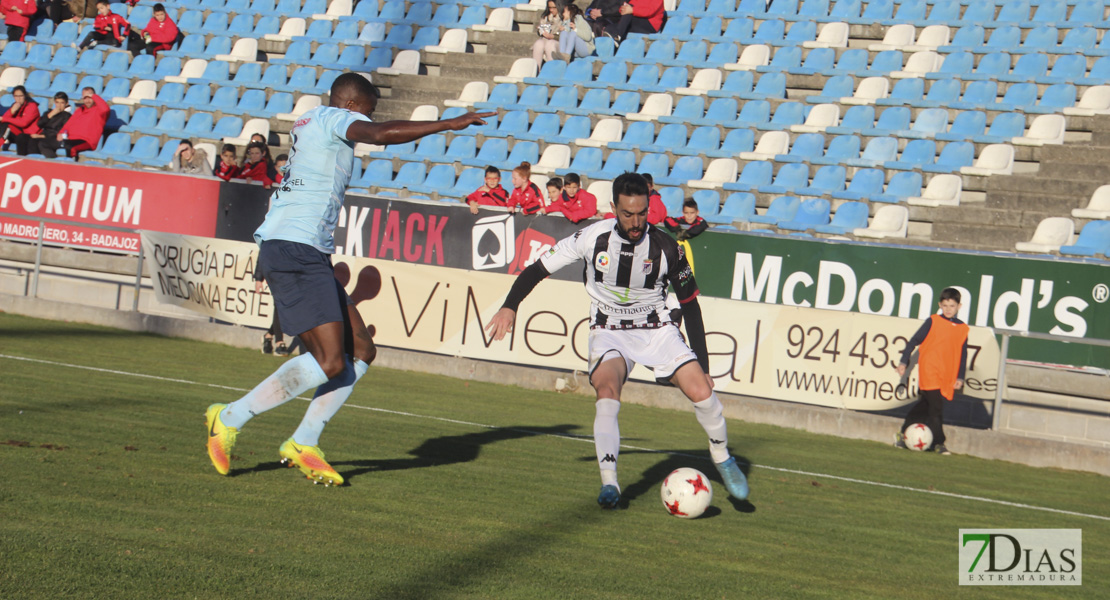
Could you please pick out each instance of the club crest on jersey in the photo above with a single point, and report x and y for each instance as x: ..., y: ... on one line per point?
x: 601, y: 262
x: 648, y: 264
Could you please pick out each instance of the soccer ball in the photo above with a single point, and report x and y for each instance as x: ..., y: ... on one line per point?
x: 919, y: 437
x: 686, y: 493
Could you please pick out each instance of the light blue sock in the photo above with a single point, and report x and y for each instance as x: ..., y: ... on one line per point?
x: 329, y: 397
x: 293, y: 378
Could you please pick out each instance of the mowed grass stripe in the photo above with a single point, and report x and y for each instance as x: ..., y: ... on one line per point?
x: 449, y: 507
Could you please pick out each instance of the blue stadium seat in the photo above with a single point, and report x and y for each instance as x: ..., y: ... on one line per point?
x: 877, y: 152
x: 819, y: 60
x: 410, y: 174
x: 953, y: 157
x: 618, y: 162
x: 836, y: 87
x: 1080, y: 40
x: 827, y: 180
x: 785, y: 59
x: 685, y: 169
x: 225, y: 99
x: 169, y: 93
x: 268, y: 24
x: 227, y: 126
x: 493, y: 151
x: 573, y: 128
x: 197, y: 97
x: 1093, y: 239
x: 905, y: 91
x: 428, y: 147
x: 805, y: 148
x: 782, y: 209
x: 672, y: 199
x: 462, y: 147
x: 851, y: 61
x: 735, y: 142
x: 167, y: 66
x: 978, y: 94
x: 902, y: 185
x: 686, y: 110
x: 376, y: 172
x: 865, y: 183
x: 469, y: 180
x: 883, y: 64
x: 928, y: 123
x: 755, y: 174
x: 737, y: 82
x: 115, y: 146
x: 709, y: 202
x: 1019, y: 96
x: 1056, y: 98
x: 739, y: 206
x: 533, y: 95
x: 144, y: 117
x: 523, y: 152
x: 811, y: 213
x: 967, y: 125
x: 440, y: 178
x: 1004, y: 127
x: 788, y: 178
x: 585, y: 160
x: 915, y: 155
x: 848, y: 217
x: 854, y: 120
x: 752, y: 114
x: 703, y: 140
x: 641, y: 134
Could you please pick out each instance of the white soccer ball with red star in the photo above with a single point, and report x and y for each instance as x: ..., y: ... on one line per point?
x: 686, y: 493
x: 919, y: 437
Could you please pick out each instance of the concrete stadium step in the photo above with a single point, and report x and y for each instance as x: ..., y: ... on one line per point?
x: 984, y: 237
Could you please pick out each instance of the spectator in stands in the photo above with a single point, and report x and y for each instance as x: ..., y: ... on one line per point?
x: 549, y: 28
x: 554, y: 189
x: 279, y: 167
x: 273, y: 341
x: 575, y: 203
x: 601, y: 13
x: 261, y: 139
x: 691, y: 225
x: 21, y: 121
x: 17, y: 16
x: 79, y: 9
x: 258, y: 167
x: 577, y: 39
x: 525, y: 194
x: 490, y: 193
x: 657, y: 211
x: 56, y: 10
x: 638, y: 16
x: 83, y: 129
x: 159, y: 34
x: 226, y: 167
x: 51, y: 123
x: 189, y: 160
x: 108, y: 28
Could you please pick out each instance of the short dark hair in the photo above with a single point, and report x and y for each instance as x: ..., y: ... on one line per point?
x: 690, y: 203
x: 492, y: 170
x: 950, y: 294
x: 104, y: 2
x: 158, y: 8
x: 228, y: 148
x: 629, y: 184
x: 62, y: 96
x: 355, y: 85
x: 570, y: 178
x: 188, y: 143
x: 555, y: 182
x: 648, y: 178
x: 284, y: 157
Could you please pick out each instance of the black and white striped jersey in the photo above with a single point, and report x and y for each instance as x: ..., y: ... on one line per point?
x: 626, y: 281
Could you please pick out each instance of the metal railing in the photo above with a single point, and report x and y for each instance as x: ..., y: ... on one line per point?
x: 39, y: 243
x: 1004, y: 350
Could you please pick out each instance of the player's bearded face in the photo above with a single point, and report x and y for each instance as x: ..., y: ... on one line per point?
x: 632, y: 216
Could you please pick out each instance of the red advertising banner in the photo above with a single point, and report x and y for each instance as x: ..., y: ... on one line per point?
x: 43, y: 189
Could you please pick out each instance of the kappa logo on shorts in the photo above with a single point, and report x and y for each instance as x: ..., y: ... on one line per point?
x: 601, y: 262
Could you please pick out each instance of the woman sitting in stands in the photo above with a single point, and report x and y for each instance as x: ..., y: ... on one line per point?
x: 257, y: 166
x: 577, y: 39
x: 21, y: 121
x: 549, y: 28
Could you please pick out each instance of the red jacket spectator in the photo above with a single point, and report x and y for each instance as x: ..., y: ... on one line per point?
x: 679, y: 225
x: 87, y: 122
x: 528, y: 198
x: 18, y: 13
x: 652, y: 10
x: 258, y: 171
x: 112, y: 24
x: 25, y: 119
x: 657, y: 211
x: 494, y: 197
x: 579, y: 208
x: 162, y: 34
x: 225, y: 170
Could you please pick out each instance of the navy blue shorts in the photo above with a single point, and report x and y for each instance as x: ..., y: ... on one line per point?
x: 302, y: 282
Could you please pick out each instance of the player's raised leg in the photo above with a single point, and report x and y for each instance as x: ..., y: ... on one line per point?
x: 608, y: 379
x: 698, y: 387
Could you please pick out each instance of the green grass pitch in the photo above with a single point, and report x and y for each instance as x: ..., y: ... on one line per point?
x: 461, y: 490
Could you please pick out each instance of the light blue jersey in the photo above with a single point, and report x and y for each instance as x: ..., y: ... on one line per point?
x: 305, y: 208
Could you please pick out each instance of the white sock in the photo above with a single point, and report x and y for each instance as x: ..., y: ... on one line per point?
x: 710, y: 415
x: 329, y: 397
x: 294, y: 377
x: 607, y: 439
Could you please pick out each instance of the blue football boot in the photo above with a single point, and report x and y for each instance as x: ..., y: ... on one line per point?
x: 609, y: 497
x: 733, y: 477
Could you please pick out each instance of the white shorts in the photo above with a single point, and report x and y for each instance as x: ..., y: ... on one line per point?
x: 661, y: 349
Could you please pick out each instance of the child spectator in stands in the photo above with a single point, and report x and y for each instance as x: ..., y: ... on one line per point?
x: 490, y: 193
x: 21, y: 121
x: 549, y: 28
x: 575, y: 203
x: 691, y: 225
x: 577, y: 39
x: 108, y: 28
x: 526, y: 194
x: 657, y: 211
x: 941, y: 364
x: 17, y: 16
x: 83, y: 130
x: 638, y: 16
x: 279, y: 167
x: 189, y: 160
x: 226, y: 168
x: 554, y: 189
x: 601, y: 13
x: 159, y: 34
x: 51, y: 123
x: 257, y: 166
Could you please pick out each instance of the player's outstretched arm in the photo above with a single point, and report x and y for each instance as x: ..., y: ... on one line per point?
x: 400, y: 132
x: 501, y: 323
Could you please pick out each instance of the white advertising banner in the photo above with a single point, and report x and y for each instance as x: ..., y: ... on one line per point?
x: 806, y: 355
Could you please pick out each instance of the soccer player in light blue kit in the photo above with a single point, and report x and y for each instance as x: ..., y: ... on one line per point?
x: 295, y: 253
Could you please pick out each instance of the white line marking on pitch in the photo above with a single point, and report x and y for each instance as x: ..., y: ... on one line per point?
x: 582, y: 439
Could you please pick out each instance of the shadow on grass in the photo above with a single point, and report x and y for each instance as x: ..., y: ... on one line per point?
x: 673, y: 459
x: 447, y: 450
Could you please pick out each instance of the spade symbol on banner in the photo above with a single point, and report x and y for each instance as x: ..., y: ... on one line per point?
x: 489, y: 246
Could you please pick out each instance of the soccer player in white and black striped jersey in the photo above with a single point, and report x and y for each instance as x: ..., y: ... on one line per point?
x: 629, y: 265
